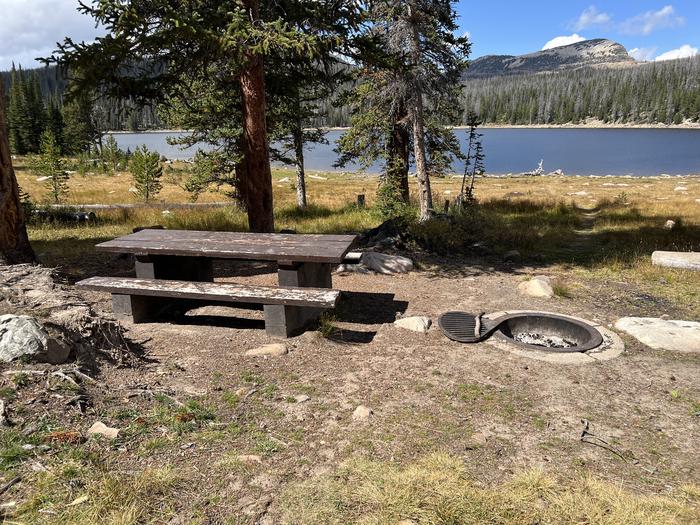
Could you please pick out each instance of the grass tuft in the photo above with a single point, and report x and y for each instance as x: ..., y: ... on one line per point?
x: 438, y: 490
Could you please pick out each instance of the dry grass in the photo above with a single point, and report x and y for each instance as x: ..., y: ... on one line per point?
x: 437, y: 490
x: 537, y: 216
x: 72, y: 492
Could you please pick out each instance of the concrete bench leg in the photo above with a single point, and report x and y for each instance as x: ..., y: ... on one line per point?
x: 285, y: 321
x: 139, y: 308
x: 198, y: 269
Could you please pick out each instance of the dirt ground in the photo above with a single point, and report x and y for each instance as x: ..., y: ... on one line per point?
x: 280, y: 420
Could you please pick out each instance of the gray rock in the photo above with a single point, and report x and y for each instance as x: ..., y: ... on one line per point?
x: 417, y: 323
x: 670, y: 225
x: 362, y: 413
x: 274, y: 350
x: 23, y: 336
x: 538, y: 286
x: 386, y: 264
x: 662, y: 334
x: 352, y: 268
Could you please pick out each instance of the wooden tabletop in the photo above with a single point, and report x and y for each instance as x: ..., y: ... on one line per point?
x: 231, y: 245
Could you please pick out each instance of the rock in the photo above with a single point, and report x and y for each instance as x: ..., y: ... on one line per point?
x: 538, y: 286
x: 42, y: 179
x: 511, y: 256
x: 680, y: 188
x: 100, y: 429
x: 417, y: 323
x: 23, y: 336
x: 661, y: 334
x: 352, y: 268
x: 274, y: 350
x: 670, y: 225
x: 579, y: 194
x: 684, y: 260
x: 362, y: 413
x: 476, y: 440
x: 249, y: 458
x: 284, y: 179
x: 302, y: 398
x: 386, y: 264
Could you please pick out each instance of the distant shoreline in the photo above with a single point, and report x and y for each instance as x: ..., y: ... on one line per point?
x: 590, y: 125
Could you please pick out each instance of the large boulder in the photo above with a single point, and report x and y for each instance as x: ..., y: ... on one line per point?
x: 662, y: 334
x: 21, y: 336
x: 386, y: 264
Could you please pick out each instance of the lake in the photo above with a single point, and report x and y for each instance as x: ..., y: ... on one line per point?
x: 637, y: 152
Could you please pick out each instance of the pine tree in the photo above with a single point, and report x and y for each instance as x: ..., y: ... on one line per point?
x: 111, y: 154
x: 228, y: 39
x: 14, y: 242
x: 79, y: 129
x: 48, y: 163
x: 147, y: 171
x: 54, y: 120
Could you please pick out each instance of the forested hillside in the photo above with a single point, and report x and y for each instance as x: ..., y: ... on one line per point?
x: 654, y: 93
x: 663, y: 92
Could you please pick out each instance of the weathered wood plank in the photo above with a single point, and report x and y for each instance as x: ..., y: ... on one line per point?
x: 232, y: 245
x: 225, y: 292
x: 682, y: 260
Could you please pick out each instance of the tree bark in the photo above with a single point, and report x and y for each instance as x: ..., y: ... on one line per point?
x: 258, y: 177
x: 399, y: 153
x: 14, y: 242
x: 425, y: 195
x: 301, y: 176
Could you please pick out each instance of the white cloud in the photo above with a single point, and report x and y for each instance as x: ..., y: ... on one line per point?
x: 30, y: 29
x: 591, y: 17
x: 563, y: 41
x: 685, y: 51
x: 642, y: 53
x: 647, y: 23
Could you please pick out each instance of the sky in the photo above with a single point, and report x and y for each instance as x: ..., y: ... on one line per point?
x: 650, y: 30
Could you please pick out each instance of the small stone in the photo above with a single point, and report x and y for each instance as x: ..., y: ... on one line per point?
x: 680, y: 188
x: 386, y: 264
x: 101, y: 429
x: 477, y: 440
x: 362, y: 413
x: 670, y: 225
x: 417, y: 323
x: 302, y: 398
x: 539, y: 286
x: 273, y: 350
x: 249, y: 458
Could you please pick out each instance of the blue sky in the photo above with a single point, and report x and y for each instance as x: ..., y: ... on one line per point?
x: 652, y: 28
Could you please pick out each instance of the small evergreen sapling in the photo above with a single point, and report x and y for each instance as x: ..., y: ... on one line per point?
x: 48, y: 163
x: 147, y: 171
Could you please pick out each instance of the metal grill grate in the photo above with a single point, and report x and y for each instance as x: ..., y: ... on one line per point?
x: 460, y: 326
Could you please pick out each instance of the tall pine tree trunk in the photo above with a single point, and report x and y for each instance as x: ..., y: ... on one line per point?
x: 14, y: 242
x: 258, y: 177
x: 400, y: 144
x: 299, y: 156
x: 425, y: 195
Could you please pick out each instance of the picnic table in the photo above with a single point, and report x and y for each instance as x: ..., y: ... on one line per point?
x: 177, y: 264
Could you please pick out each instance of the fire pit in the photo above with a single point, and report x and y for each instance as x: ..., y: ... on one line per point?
x: 548, y: 332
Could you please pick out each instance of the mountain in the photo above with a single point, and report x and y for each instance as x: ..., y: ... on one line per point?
x: 597, y: 52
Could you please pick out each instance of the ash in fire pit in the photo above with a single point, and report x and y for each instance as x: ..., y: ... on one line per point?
x: 547, y: 341
x: 548, y: 332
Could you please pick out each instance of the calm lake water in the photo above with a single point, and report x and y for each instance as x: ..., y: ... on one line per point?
x: 638, y: 152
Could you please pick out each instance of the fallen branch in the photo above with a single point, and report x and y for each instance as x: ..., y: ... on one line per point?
x: 3, y: 417
x: 7, y: 486
x: 592, y: 439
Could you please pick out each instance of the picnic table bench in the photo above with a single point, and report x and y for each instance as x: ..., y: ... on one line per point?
x: 176, y: 265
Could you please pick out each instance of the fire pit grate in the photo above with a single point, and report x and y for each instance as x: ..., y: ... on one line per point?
x: 548, y: 332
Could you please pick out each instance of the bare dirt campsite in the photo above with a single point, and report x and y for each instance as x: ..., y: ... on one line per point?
x: 359, y: 419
